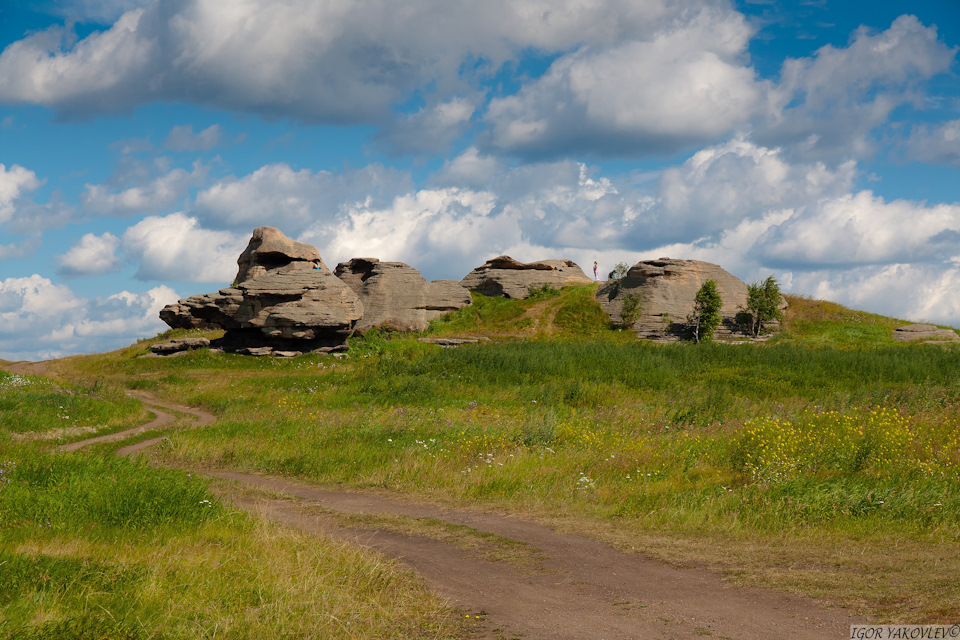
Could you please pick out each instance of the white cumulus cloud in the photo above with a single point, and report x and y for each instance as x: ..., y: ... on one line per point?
x: 829, y: 103
x: 338, y: 61
x: 469, y: 169
x: 685, y: 85
x: 14, y: 182
x: 911, y: 292
x: 175, y: 248
x: 182, y: 138
x: 863, y: 228
x: 153, y: 196
x: 429, y: 130
x: 124, y: 317
x: 21, y: 215
x: 530, y: 212
x: 722, y: 185
x: 279, y: 196
x: 40, y: 319
x: 439, y: 231
x: 99, y: 11
x: 92, y: 255
x: 936, y: 144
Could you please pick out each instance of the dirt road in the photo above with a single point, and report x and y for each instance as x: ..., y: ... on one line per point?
x: 579, y: 588
x: 571, y: 587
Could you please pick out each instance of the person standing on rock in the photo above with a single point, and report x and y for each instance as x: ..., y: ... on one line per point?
x: 595, y: 276
x: 317, y: 265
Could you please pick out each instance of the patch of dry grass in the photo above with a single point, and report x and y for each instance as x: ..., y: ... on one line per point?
x: 896, y: 579
x: 254, y: 580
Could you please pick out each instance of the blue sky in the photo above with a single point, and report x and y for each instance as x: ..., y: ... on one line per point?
x: 142, y: 141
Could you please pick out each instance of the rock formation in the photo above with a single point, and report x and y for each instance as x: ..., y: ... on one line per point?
x: 504, y: 276
x: 280, y: 303
x: 270, y: 250
x: 396, y: 297
x: 924, y: 333
x: 179, y: 345
x: 666, y: 290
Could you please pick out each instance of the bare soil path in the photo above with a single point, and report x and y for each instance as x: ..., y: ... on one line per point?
x: 576, y: 588
x: 581, y: 588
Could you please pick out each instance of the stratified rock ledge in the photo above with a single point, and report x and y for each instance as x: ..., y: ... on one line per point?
x: 396, y: 297
x: 504, y: 276
x: 285, y: 301
x: 924, y: 333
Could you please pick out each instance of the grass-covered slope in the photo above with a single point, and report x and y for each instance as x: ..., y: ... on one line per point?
x: 573, y: 314
x: 818, y: 323
x: 570, y: 313
x: 94, y: 547
x: 815, y: 462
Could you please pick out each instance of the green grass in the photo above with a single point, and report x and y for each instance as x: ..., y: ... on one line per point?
x: 819, y: 324
x: 33, y: 405
x: 569, y: 313
x: 485, y: 314
x: 93, y: 546
x: 581, y: 317
x: 827, y: 441
x: 74, y: 492
x: 649, y: 435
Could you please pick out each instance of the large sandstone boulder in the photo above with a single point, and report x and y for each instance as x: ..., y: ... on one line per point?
x: 504, y: 276
x: 281, y: 303
x: 270, y: 250
x: 297, y: 304
x: 666, y: 289
x: 396, y: 297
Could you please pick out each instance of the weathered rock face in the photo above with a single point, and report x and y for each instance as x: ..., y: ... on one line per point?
x: 667, y: 289
x: 179, y: 345
x: 396, y: 297
x: 504, y: 276
x: 280, y: 304
x: 296, y: 304
x: 270, y: 250
x: 924, y: 333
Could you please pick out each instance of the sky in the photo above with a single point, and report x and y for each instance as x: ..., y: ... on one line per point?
x: 141, y: 142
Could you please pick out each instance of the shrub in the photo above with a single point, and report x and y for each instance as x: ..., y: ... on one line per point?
x: 632, y: 309
x: 543, y: 292
x: 763, y: 304
x: 620, y: 271
x: 705, y: 317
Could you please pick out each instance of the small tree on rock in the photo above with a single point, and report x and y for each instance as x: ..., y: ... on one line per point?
x: 632, y: 309
x: 763, y: 304
x: 705, y: 317
x: 617, y: 275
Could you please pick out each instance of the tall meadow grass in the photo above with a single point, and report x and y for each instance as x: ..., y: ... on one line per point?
x: 95, y: 547
x: 847, y: 438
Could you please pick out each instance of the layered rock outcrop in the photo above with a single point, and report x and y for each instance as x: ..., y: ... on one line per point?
x: 280, y: 303
x: 666, y: 290
x: 396, y: 297
x: 924, y: 333
x: 504, y: 276
x: 269, y: 250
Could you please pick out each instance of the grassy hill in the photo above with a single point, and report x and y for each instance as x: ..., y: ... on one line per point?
x: 572, y: 314
x: 813, y: 463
